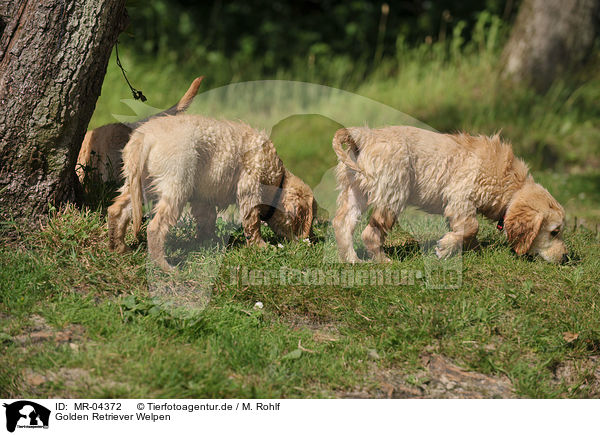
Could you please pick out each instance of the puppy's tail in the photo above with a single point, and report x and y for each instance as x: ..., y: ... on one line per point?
x: 185, y: 101
x: 348, y: 157
x: 188, y: 97
x: 135, y: 155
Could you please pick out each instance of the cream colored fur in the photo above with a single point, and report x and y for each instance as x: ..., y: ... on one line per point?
x: 454, y: 175
x: 101, y: 148
x: 212, y: 164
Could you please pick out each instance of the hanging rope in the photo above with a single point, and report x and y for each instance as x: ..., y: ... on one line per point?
x: 136, y: 94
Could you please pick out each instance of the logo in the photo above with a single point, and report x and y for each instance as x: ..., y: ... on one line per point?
x: 26, y: 414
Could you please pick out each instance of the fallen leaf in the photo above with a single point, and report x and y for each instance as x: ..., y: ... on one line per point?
x: 570, y: 336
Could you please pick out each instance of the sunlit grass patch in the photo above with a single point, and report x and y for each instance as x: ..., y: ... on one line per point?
x: 533, y: 323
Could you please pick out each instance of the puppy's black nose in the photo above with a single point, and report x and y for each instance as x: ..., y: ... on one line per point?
x: 564, y: 259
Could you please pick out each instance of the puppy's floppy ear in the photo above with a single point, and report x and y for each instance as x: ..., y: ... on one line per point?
x: 299, y: 203
x: 301, y: 212
x: 522, y: 225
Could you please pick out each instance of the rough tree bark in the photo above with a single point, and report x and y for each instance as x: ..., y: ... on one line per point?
x: 549, y: 38
x: 53, y: 58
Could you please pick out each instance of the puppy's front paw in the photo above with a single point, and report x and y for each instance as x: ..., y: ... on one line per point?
x: 447, y: 246
x: 166, y: 267
x: 442, y: 253
x: 382, y: 258
x: 350, y: 257
x: 261, y: 243
x: 124, y: 249
x: 163, y: 265
x: 119, y: 248
x: 256, y: 241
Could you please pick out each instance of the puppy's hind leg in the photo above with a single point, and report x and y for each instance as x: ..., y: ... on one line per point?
x: 167, y: 211
x: 119, y: 215
x: 373, y: 236
x: 464, y: 226
x: 351, y: 204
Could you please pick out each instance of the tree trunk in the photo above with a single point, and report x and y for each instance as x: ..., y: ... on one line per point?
x: 550, y: 37
x: 53, y: 58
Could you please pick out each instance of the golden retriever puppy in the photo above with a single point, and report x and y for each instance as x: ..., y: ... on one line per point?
x: 101, y: 148
x: 212, y: 164
x: 454, y: 175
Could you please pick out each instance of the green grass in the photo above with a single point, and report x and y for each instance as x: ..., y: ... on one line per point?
x: 507, y: 319
x: 77, y: 320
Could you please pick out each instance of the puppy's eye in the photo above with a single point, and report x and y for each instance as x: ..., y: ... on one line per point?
x: 554, y: 233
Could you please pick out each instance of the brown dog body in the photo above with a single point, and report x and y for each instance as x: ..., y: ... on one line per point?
x: 212, y: 164
x: 454, y: 175
x: 101, y: 148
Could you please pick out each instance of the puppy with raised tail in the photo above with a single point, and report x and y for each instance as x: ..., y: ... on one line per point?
x: 455, y: 175
x: 211, y: 164
x: 101, y: 148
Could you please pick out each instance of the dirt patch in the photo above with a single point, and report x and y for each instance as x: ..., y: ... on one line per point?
x: 70, y: 378
x: 440, y: 379
x: 70, y: 382
x: 448, y: 380
x: 583, y: 374
x: 40, y: 331
x: 321, y: 331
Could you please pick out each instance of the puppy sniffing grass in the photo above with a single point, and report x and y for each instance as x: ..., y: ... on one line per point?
x: 454, y: 175
x: 211, y: 164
